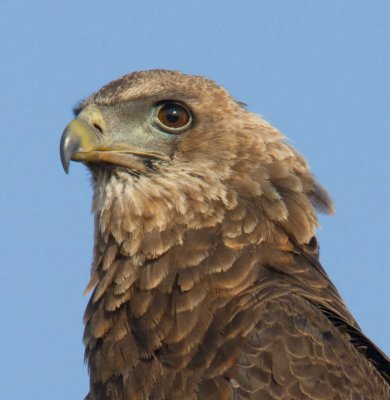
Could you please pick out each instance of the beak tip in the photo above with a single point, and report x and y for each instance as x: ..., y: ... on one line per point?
x: 70, y: 143
x: 65, y: 161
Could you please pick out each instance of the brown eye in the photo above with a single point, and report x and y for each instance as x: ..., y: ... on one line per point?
x: 173, y: 116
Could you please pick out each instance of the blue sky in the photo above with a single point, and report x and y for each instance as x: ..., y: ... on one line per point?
x: 318, y: 71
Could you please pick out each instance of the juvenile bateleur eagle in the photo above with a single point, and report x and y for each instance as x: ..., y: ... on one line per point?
x: 206, y: 281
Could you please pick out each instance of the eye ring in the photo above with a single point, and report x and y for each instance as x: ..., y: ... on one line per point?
x: 173, y: 116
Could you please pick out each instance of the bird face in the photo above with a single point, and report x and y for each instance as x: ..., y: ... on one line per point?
x: 141, y: 127
x: 132, y: 135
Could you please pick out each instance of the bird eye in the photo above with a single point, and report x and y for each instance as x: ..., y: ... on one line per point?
x: 173, y: 117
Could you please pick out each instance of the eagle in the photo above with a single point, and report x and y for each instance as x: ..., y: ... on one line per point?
x: 206, y: 281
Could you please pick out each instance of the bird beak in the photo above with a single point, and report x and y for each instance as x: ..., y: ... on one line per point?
x: 77, y: 139
x: 82, y: 141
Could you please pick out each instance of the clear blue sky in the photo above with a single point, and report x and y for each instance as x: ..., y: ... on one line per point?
x: 318, y: 71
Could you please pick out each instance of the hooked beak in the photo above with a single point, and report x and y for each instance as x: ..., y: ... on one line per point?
x: 78, y: 137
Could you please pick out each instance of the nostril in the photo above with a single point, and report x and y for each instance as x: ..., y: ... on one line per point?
x: 98, y: 127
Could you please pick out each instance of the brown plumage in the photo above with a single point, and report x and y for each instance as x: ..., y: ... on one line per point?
x: 206, y: 280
